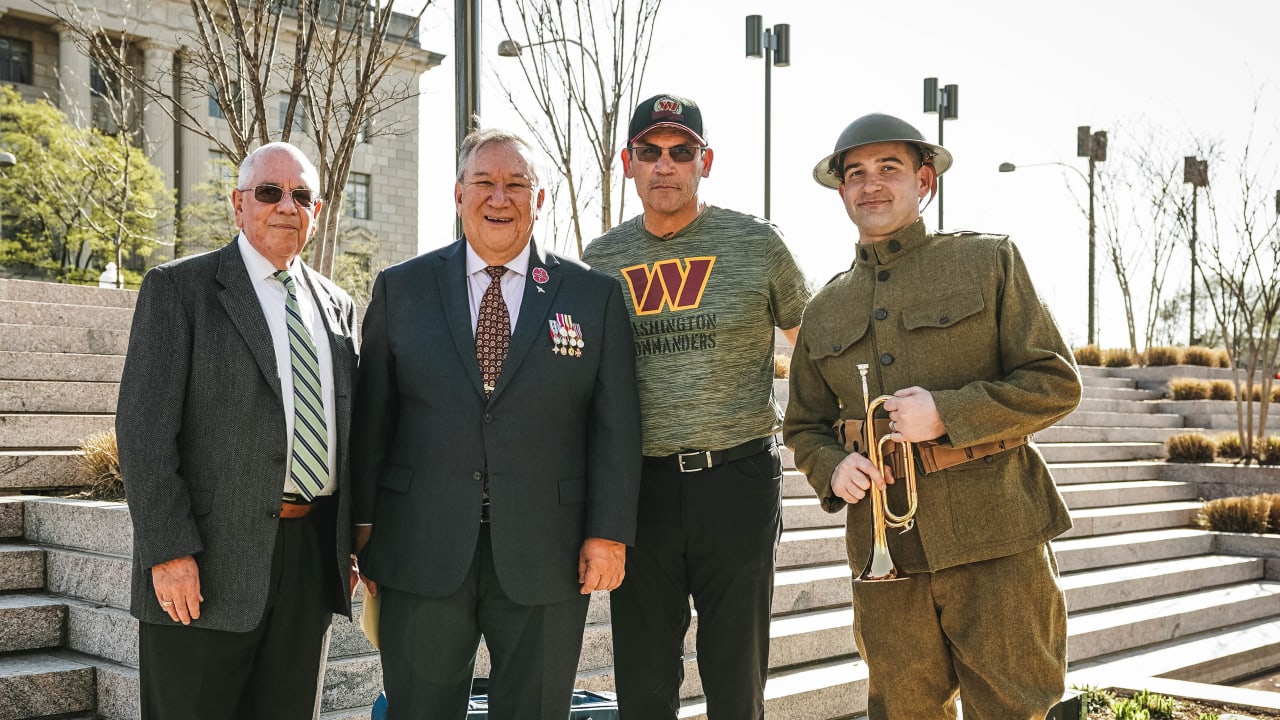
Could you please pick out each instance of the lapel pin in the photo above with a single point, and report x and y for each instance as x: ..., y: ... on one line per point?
x: 540, y: 276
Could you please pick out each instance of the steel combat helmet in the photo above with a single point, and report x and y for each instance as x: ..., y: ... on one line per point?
x: 876, y: 128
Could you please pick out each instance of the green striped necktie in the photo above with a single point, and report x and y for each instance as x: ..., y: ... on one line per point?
x: 310, y: 467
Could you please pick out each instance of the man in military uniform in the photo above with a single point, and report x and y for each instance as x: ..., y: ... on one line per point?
x: 951, y: 326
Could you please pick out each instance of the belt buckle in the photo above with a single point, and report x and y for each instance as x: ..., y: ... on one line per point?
x: 704, y: 453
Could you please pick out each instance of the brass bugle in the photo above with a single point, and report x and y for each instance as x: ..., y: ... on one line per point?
x: 880, y: 566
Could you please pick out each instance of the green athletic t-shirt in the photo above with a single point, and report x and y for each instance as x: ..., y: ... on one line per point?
x: 703, y: 304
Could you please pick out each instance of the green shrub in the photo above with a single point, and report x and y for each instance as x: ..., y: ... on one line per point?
x: 1269, y: 452
x: 1096, y: 698
x: 1188, y: 389
x: 1159, y: 706
x: 1222, y: 390
x: 1190, y: 448
x: 100, y: 465
x: 1089, y: 355
x: 1200, y: 355
x: 1164, y: 356
x: 1129, y: 710
x: 781, y: 365
x: 1117, y: 357
x: 1254, y: 514
x: 1229, y: 446
x: 1208, y: 716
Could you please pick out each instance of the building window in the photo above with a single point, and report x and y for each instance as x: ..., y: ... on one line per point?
x: 15, y: 61
x: 103, y: 82
x: 215, y: 100
x: 220, y: 170
x: 357, y: 194
x: 299, y: 113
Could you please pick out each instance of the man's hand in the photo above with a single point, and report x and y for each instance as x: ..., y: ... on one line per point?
x: 360, y: 536
x: 913, y: 417
x: 852, y: 478
x: 177, y: 584
x: 601, y: 564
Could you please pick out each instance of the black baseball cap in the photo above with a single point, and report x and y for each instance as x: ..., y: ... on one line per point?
x: 666, y: 111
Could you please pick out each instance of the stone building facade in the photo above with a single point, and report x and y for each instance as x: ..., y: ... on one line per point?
x: 39, y: 56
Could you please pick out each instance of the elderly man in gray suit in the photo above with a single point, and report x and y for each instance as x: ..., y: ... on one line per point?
x: 233, y: 419
x: 496, y: 452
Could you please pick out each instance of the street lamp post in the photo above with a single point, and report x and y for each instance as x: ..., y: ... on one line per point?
x: 775, y: 47
x: 944, y: 101
x: 1196, y: 172
x: 1095, y: 148
x: 466, y: 78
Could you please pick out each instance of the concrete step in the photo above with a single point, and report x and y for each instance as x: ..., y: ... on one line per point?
x: 1086, y: 418
x: 47, y: 292
x: 1119, y: 393
x: 37, y: 339
x: 1106, y: 381
x: 39, y: 684
x: 794, y: 485
x: 1097, y: 633
x: 1217, y: 656
x: 804, y: 548
x: 1132, y: 518
x: 832, y: 689
x: 41, y: 396
x: 12, y: 516
x: 16, y: 312
x: 800, y: 513
x: 30, y: 621
x: 1100, y: 451
x: 87, y: 525
x: 1134, y: 492
x: 1080, y: 434
x: 1094, y: 589
x: 1106, y: 471
x: 23, y: 469
x: 1216, y: 415
x: 1088, y: 404
x: 814, y: 587
x: 16, y: 365
x: 48, y: 431
x: 21, y: 567
x: 100, y: 580
x: 1092, y: 552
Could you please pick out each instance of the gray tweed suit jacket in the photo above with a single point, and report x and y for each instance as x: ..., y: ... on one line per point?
x: 201, y: 430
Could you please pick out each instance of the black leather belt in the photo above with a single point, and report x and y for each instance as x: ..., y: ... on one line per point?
x: 699, y: 460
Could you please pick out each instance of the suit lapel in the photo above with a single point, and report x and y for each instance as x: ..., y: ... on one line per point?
x: 240, y: 301
x: 534, y: 307
x: 452, y: 279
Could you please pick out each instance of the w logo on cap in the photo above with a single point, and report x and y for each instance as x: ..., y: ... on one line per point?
x: 667, y: 105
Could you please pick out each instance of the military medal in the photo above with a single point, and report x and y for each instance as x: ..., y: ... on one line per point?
x: 577, y: 340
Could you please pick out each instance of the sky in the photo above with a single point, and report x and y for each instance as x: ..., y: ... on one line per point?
x: 1029, y: 72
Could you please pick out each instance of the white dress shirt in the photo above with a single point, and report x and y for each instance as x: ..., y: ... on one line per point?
x: 271, y: 296
x: 512, y: 284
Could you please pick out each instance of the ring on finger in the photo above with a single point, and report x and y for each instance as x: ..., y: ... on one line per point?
x: 166, y: 603
x: 893, y: 426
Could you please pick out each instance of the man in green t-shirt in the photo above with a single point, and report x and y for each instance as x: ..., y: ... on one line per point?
x: 705, y: 287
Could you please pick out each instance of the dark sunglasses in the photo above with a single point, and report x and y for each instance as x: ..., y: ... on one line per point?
x: 272, y: 194
x: 653, y: 153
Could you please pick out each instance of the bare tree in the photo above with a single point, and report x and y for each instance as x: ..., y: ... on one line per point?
x: 583, y: 63
x: 1241, y: 265
x: 333, y: 61
x: 1142, y: 201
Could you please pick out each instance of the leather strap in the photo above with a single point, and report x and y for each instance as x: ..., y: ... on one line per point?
x: 293, y: 511
x: 698, y: 460
x: 933, y: 457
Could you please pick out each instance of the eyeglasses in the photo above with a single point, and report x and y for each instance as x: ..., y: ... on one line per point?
x: 272, y: 194
x: 653, y: 153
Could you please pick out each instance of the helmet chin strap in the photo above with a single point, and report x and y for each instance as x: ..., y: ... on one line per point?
x: 933, y: 192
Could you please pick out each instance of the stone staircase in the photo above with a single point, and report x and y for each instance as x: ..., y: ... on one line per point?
x: 1148, y: 594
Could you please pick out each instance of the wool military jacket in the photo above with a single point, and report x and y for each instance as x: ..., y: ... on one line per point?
x: 955, y: 314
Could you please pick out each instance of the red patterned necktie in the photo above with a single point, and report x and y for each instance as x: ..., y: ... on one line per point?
x: 493, y: 330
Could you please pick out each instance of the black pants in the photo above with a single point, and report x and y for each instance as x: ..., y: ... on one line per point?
x: 429, y: 649
x: 273, y: 672
x: 713, y: 535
